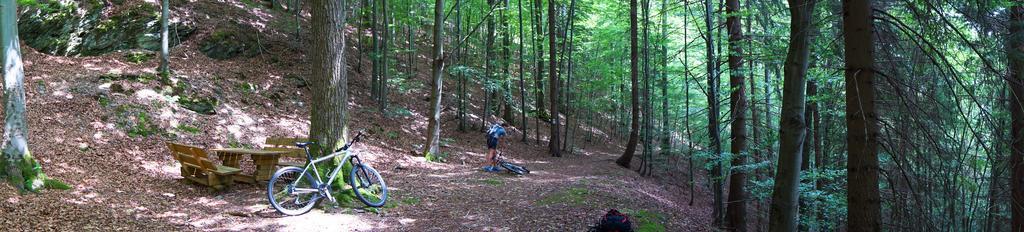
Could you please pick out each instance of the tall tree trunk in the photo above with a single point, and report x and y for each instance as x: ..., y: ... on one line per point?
x: 553, y: 80
x: 382, y: 97
x: 538, y: 45
x: 328, y: 112
x: 1015, y: 55
x: 736, y: 214
x: 522, y: 83
x: 375, y: 55
x: 717, y: 172
x: 861, y: 119
x: 488, y: 67
x: 434, y: 136
x: 634, y: 61
x: 666, y: 142
x: 646, y: 111
x: 686, y: 106
x: 165, y: 48
x: 19, y: 167
x: 792, y: 131
x: 455, y: 61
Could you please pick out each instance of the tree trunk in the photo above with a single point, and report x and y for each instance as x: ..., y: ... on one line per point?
x: 785, y: 197
x: 522, y: 83
x: 646, y: 99
x: 434, y: 136
x: 1016, y: 82
x: 538, y: 75
x: 488, y: 67
x: 553, y: 80
x: 634, y: 124
x: 375, y: 55
x: 861, y: 119
x: 455, y: 61
x: 328, y: 112
x: 382, y: 95
x: 165, y: 49
x: 716, y: 175
x: 736, y: 214
x: 666, y: 142
x: 19, y: 167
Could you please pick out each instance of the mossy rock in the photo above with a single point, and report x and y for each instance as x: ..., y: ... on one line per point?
x: 228, y: 42
x: 80, y: 28
x: 200, y: 105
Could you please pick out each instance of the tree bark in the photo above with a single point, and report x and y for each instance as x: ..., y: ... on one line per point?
x: 165, y: 13
x: 861, y: 119
x: 553, y: 81
x: 522, y: 84
x: 736, y: 213
x: 717, y: 173
x: 792, y: 132
x: 434, y: 136
x: 1015, y: 55
x: 328, y: 112
x: 19, y: 167
x: 634, y: 124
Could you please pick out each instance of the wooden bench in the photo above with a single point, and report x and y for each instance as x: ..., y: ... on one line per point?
x: 297, y: 155
x: 196, y: 166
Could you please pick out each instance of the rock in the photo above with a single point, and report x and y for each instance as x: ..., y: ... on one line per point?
x: 296, y: 80
x: 73, y: 28
x: 200, y: 105
x: 231, y: 41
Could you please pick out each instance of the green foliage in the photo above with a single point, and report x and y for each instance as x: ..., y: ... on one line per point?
x: 398, y: 111
x: 139, y: 57
x: 247, y: 88
x: 188, y: 129
x: 569, y: 196
x: 493, y: 182
x: 646, y: 221
x: 438, y: 158
x: 104, y: 100
x: 446, y: 141
x: 132, y: 77
x: 392, y: 135
x: 411, y: 201
x: 136, y: 121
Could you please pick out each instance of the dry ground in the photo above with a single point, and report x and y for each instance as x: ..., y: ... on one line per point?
x: 127, y: 182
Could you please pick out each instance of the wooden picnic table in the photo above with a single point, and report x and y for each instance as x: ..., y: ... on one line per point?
x: 265, y: 160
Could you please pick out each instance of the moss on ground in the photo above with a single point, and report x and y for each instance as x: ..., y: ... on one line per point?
x: 569, y: 196
x: 647, y: 221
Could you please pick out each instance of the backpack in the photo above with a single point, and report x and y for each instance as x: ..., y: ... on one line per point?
x: 613, y: 221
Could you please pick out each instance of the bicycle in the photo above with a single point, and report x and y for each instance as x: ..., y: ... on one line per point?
x: 514, y: 168
x: 294, y: 191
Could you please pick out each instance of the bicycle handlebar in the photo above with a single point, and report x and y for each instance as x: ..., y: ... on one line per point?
x: 349, y: 144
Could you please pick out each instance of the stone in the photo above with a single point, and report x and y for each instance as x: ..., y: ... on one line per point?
x: 230, y: 41
x: 81, y: 28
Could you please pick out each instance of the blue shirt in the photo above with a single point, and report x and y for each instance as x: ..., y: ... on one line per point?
x: 495, y: 132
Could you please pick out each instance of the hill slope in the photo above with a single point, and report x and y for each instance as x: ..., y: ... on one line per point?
x: 99, y: 123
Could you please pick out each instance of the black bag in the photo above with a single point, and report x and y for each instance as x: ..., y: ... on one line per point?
x: 614, y: 221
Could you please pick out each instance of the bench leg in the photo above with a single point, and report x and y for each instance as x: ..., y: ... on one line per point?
x: 229, y: 180
x: 214, y: 181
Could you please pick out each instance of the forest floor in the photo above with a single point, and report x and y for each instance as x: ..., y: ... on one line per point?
x: 100, y: 124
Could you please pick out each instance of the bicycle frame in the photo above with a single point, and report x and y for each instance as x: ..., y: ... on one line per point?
x: 318, y: 183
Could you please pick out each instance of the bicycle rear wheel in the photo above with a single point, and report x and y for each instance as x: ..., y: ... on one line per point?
x: 368, y: 185
x: 289, y: 194
x: 514, y: 168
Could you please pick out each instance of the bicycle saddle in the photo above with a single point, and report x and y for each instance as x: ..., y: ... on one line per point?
x: 304, y: 144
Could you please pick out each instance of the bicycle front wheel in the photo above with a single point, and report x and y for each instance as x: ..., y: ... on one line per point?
x: 291, y: 195
x: 368, y: 185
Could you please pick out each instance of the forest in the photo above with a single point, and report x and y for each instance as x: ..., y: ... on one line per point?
x: 680, y: 115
